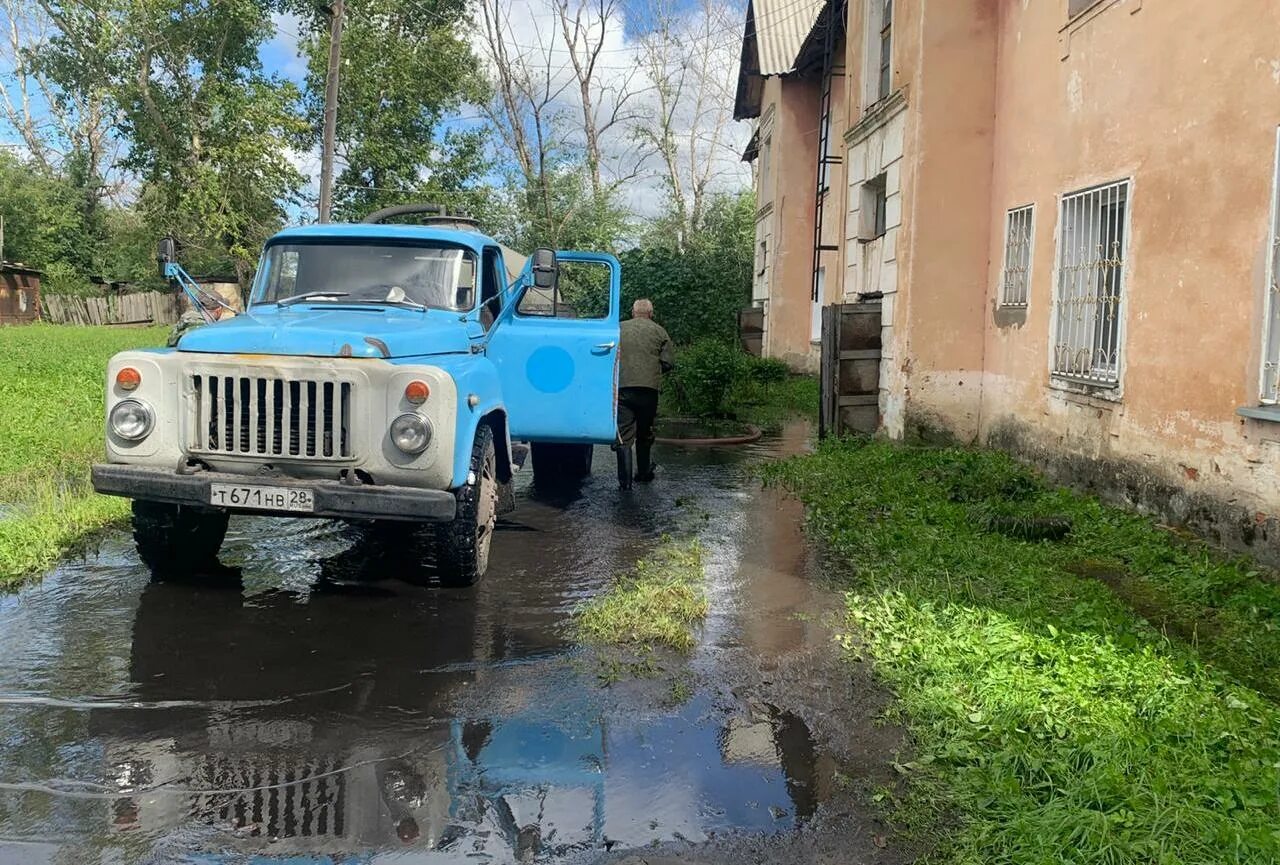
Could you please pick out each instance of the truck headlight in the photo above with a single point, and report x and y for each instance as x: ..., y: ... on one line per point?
x: 411, y: 433
x: 132, y: 420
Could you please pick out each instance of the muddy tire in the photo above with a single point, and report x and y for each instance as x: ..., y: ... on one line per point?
x: 462, y: 545
x: 560, y: 463
x: 177, y: 540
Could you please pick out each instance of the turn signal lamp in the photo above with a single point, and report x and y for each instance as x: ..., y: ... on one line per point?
x: 416, y: 392
x: 128, y: 378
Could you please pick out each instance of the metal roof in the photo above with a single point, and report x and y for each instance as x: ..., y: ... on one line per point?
x: 781, y: 28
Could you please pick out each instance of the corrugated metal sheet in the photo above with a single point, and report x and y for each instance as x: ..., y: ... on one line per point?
x: 781, y: 28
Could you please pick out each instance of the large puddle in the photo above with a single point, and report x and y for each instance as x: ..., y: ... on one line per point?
x: 316, y: 708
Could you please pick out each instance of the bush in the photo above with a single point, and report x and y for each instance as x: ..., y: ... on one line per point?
x: 704, y: 376
x: 767, y: 370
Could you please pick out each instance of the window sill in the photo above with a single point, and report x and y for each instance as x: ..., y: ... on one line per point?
x: 876, y: 115
x: 1260, y: 412
x: 1071, y: 387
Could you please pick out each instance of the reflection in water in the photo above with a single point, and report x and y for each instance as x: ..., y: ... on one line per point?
x: 353, y: 713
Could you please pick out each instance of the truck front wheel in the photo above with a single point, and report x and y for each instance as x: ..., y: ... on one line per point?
x: 177, y: 539
x: 462, y: 545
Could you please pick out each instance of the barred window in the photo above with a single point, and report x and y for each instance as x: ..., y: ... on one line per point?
x: 1090, y: 287
x: 1019, y: 232
x: 1271, y: 332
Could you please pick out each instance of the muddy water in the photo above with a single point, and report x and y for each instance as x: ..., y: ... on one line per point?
x: 313, y: 706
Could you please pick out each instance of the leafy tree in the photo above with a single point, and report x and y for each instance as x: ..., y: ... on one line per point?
x: 697, y: 293
x: 209, y: 132
x: 406, y: 69
x: 42, y: 220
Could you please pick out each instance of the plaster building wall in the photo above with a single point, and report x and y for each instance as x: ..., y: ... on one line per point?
x: 928, y: 146
x: 791, y: 106
x: 1197, y: 143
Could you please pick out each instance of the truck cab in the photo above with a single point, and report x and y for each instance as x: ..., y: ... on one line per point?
x: 379, y: 372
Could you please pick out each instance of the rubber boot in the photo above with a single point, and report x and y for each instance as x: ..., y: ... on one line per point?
x: 644, y: 462
x: 625, y: 460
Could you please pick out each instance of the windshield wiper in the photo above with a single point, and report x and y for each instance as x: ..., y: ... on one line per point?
x: 310, y: 295
x: 402, y: 302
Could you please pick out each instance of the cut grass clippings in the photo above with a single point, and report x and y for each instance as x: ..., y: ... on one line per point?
x: 52, y: 382
x: 1049, y: 717
x: 657, y: 604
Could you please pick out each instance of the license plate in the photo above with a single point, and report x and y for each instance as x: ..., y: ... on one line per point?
x: 261, y: 498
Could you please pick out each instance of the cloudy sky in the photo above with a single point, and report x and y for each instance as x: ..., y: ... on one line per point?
x: 534, y: 30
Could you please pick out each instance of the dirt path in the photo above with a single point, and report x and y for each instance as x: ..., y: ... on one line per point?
x: 317, y: 708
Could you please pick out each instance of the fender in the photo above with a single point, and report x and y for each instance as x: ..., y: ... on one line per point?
x: 475, y: 376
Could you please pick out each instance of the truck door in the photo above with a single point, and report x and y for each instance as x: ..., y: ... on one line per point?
x: 556, y: 352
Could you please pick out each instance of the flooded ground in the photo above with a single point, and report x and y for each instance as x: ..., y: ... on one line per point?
x: 315, y: 707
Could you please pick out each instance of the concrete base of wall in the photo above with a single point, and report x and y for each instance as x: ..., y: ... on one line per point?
x: 1146, y: 489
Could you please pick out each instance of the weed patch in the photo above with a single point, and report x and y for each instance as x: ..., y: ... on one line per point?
x: 1105, y: 695
x: 52, y: 382
x: 657, y: 604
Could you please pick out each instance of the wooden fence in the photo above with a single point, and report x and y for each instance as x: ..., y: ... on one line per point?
x: 151, y: 307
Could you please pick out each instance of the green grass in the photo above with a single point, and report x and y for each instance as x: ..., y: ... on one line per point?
x: 657, y: 604
x: 1105, y: 698
x: 52, y: 382
x: 768, y: 405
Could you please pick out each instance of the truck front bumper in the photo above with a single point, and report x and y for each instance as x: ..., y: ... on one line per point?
x: 333, y: 499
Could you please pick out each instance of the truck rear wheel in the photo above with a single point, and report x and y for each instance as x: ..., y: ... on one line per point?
x: 560, y: 463
x: 177, y: 539
x: 462, y: 545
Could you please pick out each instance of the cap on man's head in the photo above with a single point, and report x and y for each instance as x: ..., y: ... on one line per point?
x: 642, y: 308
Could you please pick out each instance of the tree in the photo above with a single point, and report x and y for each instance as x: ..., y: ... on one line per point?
x: 585, y: 26
x: 408, y: 70
x: 551, y: 112
x: 209, y: 132
x: 692, y: 68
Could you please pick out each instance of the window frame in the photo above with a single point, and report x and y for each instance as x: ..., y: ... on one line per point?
x: 1003, y: 300
x: 1107, y: 383
x: 877, y: 53
x: 884, y: 79
x: 1271, y: 302
x: 873, y: 207
x: 1076, y: 8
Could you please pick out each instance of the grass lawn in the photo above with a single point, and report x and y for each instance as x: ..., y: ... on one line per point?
x: 52, y: 382
x: 1051, y: 720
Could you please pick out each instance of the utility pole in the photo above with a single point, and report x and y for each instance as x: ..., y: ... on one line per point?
x: 330, y: 109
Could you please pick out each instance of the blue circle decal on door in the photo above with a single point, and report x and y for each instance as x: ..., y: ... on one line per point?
x: 549, y: 369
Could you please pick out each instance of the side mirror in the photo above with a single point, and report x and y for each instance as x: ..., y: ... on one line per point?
x: 166, y: 253
x: 545, y: 268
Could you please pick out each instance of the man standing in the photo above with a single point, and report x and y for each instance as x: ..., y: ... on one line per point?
x: 646, y: 355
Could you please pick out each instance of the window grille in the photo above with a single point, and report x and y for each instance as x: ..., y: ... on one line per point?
x: 1091, y: 284
x: 1271, y: 332
x: 1018, y: 237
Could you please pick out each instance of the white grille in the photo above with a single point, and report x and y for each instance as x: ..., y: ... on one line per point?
x: 259, y: 416
x: 1090, y: 284
x: 271, y: 798
x: 1271, y: 334
x: 1018, y: 237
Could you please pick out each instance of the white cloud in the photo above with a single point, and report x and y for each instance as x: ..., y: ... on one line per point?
x: 534, y: 36
x: 281, y: 52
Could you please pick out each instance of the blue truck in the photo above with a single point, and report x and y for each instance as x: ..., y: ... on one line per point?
x: 382, y: 371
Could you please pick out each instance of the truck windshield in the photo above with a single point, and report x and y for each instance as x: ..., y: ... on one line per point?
x: 435, y: 276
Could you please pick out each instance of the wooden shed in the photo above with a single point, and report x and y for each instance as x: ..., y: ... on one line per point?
x: 19, y: 293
